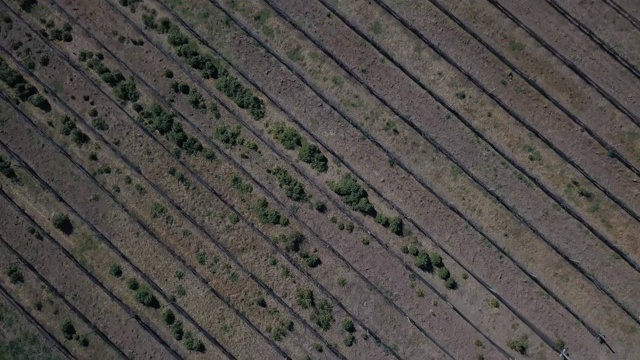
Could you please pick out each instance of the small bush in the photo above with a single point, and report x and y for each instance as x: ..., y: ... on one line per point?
x: 177, y: 330
x: 305, y: 298
x: 6, y: 169
x: 395, y: 225
x: 68, y: 330
x: 168, y: 74
x: 79, y: 138
x: 443, y: 273
x: 323, y: 315
x: 133, y: 284
x: 347, y: 325
x: 520, y: 345
x: 44, y: 60
x: 115, y: 270
x: 423, y: 262
x: 145, y: 297
x: 436, y: 260
x: 312, y: 260
x: 83, y: 340
x: 40, y: 102
x: 352, y: 194
x: 451, y: 284
x: 62, y: 222
x: 349, y: 339
x: 100, y: 124
x: 168, y: 317
x: 494, y: 303
x: 319, y: 206
x: 342, y: 282
x: 15, y: 275
x: 260, y: 301
x: 317, y: 347
x: 192, y: 343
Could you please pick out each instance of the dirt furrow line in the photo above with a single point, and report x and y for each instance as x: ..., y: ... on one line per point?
x: 214, y: 192
x: 45, y: 333
x: 618, y: 141
x: 130, y: 313
x: 624, y: 13
x: 438, y: 146
x: 595, y: 38
x: 566, y: 61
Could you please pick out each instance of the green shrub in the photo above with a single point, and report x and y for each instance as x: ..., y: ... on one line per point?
x: 319, y: 206
x: 292, y: 187
x: 347, y: 325
x: 184, y: 88
x: 196, y: 100
x: 444, y: 273
x: 177, y: 330
x: 68, y: 330
x: 192, y: 343
x: 317, y: 347
x: 267, y: 215
x: 494, y: 303
x: 100, y: 124
x: 40, y: 102
x: 145, y: 297
x: 287, y: 136
x: 323, y: 315
x: 83, y: 340
x: 79, y: 138
x: 305, y: 298
x: 44, y: 60
x: 229, y: 135
x: 450, y: 283
x: 342, y: 282
x: 127, y: 91
x: 260, y: 301
x: 292, y: 241
x: 352, y: 194
x: 311, y: 259
x: 242, y: 96
x: 395, y: 225
x: 6, y: 169
x: 62, y: 222
x: 168, y: 74
x: 423, y: 262
x: 436, y: 260
x: 349, y: 339
x: 93, y: 112
x: 168, y: 317
x: 133, y: 284
x: 15, y: 275
x: 115, y: 270
x: 157, y: 210
x: 349, y: 227
x: 311, y: 154
x: 520, y: 345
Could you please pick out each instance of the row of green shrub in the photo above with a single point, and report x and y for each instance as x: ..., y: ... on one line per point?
x: 426, y: 262
x: 307, y: 152
x: 145, y: 297
x: 292, y: 187
x: 68, y: 128
x: 209, y: 67
x: 267, y: 215
x: 292, y: 243
x: 123, y: 89
x: 322, y: 311
x: 23, y: 89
